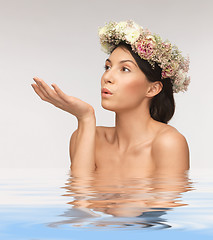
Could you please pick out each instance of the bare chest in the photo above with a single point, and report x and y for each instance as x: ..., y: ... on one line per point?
x: 137, y: 159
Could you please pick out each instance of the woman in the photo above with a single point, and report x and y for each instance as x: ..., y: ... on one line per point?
x: 141, y: 74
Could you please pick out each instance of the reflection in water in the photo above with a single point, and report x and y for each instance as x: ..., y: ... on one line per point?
x: 108, y: 201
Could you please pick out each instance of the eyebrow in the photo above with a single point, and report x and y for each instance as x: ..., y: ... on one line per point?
x: 122, y: 61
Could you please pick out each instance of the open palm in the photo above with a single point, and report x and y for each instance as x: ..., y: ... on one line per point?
x: 58, y: 98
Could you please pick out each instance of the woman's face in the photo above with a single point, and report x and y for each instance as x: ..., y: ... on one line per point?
x: 125, y: 80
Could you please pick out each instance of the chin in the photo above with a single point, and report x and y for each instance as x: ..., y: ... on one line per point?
x: 109, y: 107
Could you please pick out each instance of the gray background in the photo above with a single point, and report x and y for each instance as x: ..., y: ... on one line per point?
x: 57, y: 41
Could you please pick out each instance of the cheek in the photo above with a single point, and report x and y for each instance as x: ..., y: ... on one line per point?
x: 135, y: 89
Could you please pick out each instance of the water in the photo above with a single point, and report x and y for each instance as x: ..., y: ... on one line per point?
x: 51, y: 204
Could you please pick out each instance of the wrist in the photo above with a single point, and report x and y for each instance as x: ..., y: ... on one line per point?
x: 90, y: 118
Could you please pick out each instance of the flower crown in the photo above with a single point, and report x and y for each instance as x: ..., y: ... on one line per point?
x: 149, y: 47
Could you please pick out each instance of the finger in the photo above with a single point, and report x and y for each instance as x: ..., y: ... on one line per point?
x: 39, y: 92
x: 47, y: 91
x: 39, y: 86
x: 50, y: 94
x: 60, y: 93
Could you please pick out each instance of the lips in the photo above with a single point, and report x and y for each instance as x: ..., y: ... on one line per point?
x: 105, y: 90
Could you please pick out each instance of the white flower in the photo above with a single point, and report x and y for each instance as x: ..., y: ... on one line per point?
x: 102, y: 31
x: 131, y: 35
x: 131, y: 32
x: 136, y: 26
x: 120, y: 27
x: 106, y: 47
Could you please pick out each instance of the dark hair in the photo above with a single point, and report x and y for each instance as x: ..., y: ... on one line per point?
x: 162, y: 105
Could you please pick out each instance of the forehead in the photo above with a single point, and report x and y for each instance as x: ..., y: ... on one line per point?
x: 121, y: 54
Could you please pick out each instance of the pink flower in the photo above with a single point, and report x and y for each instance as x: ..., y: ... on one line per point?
x: 146, y: 47
x: 167, y: 46
x: 170, y: 70
x: 167, y: 72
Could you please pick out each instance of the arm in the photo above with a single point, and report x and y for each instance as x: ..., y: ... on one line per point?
x: 170, y: 153
x: 82, y: 147
x: 82, y: 143
x: 72, y: 144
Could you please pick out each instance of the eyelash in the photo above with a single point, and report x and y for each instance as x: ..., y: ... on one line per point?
x: 105, y: 67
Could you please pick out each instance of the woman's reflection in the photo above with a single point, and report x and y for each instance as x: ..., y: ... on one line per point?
x: 108, y: 200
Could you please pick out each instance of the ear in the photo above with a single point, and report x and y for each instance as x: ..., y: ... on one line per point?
x: 154, y: 89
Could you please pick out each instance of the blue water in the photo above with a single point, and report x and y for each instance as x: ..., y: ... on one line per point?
x: 50, y: 204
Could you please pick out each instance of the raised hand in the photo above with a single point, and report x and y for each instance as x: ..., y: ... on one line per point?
x: 58, y: 98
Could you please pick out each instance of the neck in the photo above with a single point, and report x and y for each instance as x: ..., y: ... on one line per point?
x: 132, y: 127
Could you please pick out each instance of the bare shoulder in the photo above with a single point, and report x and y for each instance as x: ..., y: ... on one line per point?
x: 170, y: 149
x: 169, y: 135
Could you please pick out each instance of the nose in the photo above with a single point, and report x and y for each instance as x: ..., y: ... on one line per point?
x: 108, y: 77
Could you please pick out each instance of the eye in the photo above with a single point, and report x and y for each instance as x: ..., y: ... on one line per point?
x: 126, y: 69
x: 106, y: 67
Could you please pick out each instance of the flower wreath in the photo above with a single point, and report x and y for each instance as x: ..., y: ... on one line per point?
x: 149, y: 47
